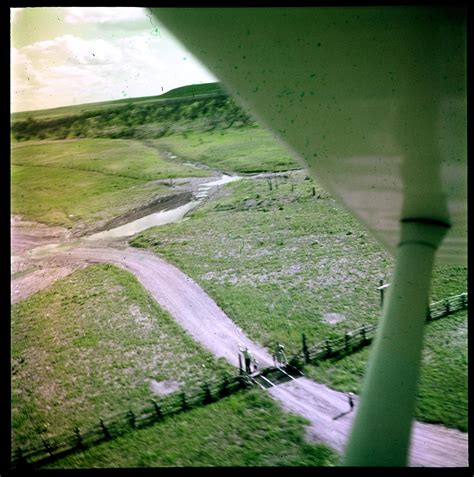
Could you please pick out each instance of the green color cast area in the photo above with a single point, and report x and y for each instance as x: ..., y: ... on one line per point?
x: 281, y: 261
x: 89, y: 346
x: 82, y: 182
x: 118, y: 157
x: 245, y: 429
x: 242, y: 150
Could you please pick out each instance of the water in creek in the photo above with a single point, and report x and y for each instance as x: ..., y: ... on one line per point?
x: 165, y: 216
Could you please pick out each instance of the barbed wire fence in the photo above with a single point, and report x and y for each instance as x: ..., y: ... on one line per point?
x: 356, y: 339
x: 50, y: 448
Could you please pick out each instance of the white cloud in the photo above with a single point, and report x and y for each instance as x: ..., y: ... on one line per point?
x: 73, y: 70
x: 72, y: 49
x: 83, y: 15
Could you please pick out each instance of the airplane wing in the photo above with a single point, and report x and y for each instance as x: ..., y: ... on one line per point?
x: 371, y: 99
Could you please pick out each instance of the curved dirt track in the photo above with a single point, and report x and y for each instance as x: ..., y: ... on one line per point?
x: 326, y: 409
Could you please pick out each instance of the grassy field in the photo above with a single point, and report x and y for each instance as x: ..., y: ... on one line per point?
x: 84, y: 182
x: 246, y: 429
x: 91, y: 345
x: 442, y: 389
x: 283, y: 261
x: 245, y: 150
x: 80, y: 183
x: 125, y: 158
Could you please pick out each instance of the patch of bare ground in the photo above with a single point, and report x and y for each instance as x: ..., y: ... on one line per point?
x: 25, y: 285
x: 333, y: 318
x: 26, y: 234
x: 164, y: 387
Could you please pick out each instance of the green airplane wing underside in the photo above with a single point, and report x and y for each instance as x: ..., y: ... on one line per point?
x: 371, y: 99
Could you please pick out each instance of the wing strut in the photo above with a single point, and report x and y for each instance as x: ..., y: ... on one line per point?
x: 380, y: 435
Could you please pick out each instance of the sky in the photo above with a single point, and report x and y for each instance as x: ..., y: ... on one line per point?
x: 62, y: 56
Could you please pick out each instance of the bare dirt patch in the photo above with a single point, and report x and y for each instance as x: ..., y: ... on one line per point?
x: 27, y: 235
x: 164, y: 387
x: 333, y: 318
x: 25, y: 285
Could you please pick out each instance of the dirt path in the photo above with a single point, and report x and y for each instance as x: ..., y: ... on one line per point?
x: 326, y: 409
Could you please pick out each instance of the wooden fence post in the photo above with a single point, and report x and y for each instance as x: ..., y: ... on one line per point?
x: 207, y: 398
x: 224, y: 390
x: 20, y: 458
x: 328, y: 347
x: 347, y: 337
x: 184, y: 403
x: 47, y: 446
x: 314, y: 191
x: 428, y: 314
x: 463, y: 301
x: 363, y: 333
x: 79, y: 442
x: 446, y: 304
x: 131, y: 419
x: 105, y: 430
x: 305, y: 348
x: 241, y: 370
x: 158, y: 411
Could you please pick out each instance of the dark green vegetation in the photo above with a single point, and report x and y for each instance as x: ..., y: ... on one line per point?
x: 140, y: 119
x: 190, y: 90
x: 92, y: 345
x: 281, y: 261
x: 193, y: 90
x: 246, y: 429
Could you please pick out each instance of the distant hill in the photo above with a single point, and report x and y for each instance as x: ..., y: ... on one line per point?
x: 193, y: 89
x: 198, y: 107
x: 181, y: 92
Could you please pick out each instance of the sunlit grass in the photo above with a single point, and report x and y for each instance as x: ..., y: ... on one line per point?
x: 245, y: 429
x: 278, y: 261
x: 90, y: 346
x: 245, y: 150
x: 442, y: 388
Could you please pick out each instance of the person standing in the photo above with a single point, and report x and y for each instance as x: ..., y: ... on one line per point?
x: 280, y: 356
x: 247, y: 359
x: 350, y: 397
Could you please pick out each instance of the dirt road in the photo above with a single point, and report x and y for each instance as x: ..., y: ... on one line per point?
x: 326, y: 409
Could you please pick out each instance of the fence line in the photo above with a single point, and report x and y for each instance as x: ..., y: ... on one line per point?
x: 52, y: 448
x: 363, y: 336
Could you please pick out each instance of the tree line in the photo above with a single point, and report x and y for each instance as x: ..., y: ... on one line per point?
x: 140, y: 121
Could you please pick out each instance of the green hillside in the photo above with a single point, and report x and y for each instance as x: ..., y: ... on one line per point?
x: 204, y: 107
x: 193, y: 89
x: 181, y: 92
